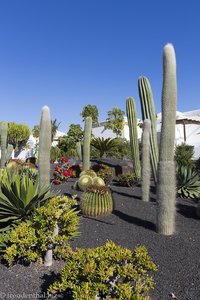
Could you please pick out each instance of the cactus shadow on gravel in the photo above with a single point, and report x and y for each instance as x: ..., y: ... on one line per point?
x: 134, y: 220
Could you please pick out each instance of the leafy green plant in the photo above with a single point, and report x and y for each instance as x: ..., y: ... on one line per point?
x: 127, y: 179
x: 183, y: 155
x: 31, y: 238
x: 104, y: 145
x: 19, y: 196
x: 106, y: 272
x: 188, y: 182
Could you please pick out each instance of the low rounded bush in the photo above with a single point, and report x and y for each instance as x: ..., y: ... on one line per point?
x: 127, y: 179
x: 32, y: 238
x: 106, y: 272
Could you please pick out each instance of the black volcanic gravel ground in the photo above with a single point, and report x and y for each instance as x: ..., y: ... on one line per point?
x: 132, y: 223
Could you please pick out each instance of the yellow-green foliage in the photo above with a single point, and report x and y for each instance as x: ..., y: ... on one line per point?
x: 32, y: 238
x: 107, y: 272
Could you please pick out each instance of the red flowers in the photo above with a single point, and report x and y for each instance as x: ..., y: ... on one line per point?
x: 63, y: 171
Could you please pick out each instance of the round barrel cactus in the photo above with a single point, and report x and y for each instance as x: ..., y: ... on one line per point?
x: 97, y: 201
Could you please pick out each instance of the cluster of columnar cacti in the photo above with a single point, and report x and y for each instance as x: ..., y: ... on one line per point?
x: 86, y: 143
x: 97, y: 201
x: 6, y: 150
x: 133, y: 133
x: 148, y: 112
x: 166, y: 185
x: 146, y: 170
x: 44, y: 148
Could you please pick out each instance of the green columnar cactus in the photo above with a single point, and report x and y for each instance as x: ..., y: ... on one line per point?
x: 146, y: 170
x: 86, y: 143
x: 3, y: 137
x: 166, y: 186
x: 97, y: 201
x: 9, y: 152
x: 44, y: 148
x: 133, y: 133
x: 148, y: 112
x: 79, y: 150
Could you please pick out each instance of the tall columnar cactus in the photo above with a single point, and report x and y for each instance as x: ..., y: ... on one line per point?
x: 148, y: 112
x: 86, y: 143
x: 166, y: 187
x: 146, y: 170
x: 79, y: 150
x: 133, y: 133
x: 3, y: 139
x: 44, y: 148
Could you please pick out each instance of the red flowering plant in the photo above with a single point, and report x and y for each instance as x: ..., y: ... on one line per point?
x: 75, y: 170
x: 62, y: 171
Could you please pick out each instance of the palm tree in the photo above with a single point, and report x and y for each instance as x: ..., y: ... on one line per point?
x: 104, y: 145
x: 54, y: 128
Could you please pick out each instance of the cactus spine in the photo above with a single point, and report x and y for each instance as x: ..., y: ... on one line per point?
x: 146, y: 170
x: 86, y: 143
x: 148, y: 112
x: 44, y: 148
x: 166, y: 187
x: 133, y: 133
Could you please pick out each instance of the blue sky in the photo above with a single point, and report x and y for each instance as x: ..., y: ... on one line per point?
x: 70, y: 53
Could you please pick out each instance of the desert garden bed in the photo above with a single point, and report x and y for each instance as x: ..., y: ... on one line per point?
x: 131, y: 223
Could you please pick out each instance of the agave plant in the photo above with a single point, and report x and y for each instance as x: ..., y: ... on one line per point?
x: 19, y: 196
x: 188, y: 182
x: 104, y: 145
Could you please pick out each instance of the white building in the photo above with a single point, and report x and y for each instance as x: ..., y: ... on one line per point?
x: 187, y: 131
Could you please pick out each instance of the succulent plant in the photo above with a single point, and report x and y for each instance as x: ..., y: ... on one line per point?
x: 98, y: 181
x: 19, y: 196
x: 146, y: 170
x: 166, y: 185
x: 6, y: 151
x: 86, y: 143
x: 97, y: 200
x: 148, y: 112
x: 84, y: 182
x: 79, y: 150
x: 89, y: 172
x: 44, y: 148
x: 132, y: 123
x: 188, y: 182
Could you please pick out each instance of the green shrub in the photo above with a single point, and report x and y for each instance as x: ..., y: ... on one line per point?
x: 183, y: 155
x: 127, y: 179
x: 106, y: 272
x: 188, y: 182
x: 31, y: 238
x: 54, y: 154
